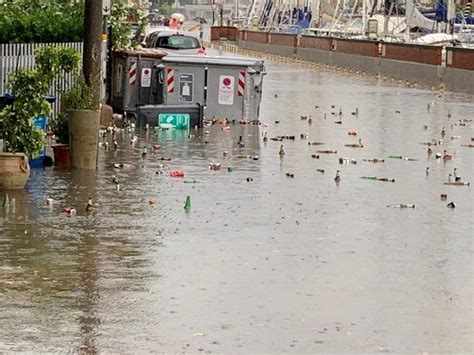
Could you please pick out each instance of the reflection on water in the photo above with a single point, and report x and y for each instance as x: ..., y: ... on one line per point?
x: 274, y: 264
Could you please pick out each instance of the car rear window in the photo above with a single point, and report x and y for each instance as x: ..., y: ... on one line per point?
x: 178, y: 42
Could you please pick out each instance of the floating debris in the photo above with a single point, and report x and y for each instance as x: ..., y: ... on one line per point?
x: 90, y: 205
x: 401, y: 158
x: 282, y: 151
x: 402, y: 205
x: 193, y: 181
x: 187, y: 203
x: 347, y: 161
x: 6, y: 201
x: 377, y: 178
x: 214, y: 166
x: 360, y: 145
x: 327, y: 151
x: 69, y: 211
x: 375, y: 160
x: 451, y: 205
x: 177, y: 173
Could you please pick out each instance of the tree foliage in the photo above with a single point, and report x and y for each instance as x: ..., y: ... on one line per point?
x: 28, y: 21
x: 128, y: 22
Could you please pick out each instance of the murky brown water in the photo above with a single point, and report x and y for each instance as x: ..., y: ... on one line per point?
x: 274, y: 265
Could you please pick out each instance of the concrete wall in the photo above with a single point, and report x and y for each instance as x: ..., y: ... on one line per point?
x: 423, y: 64
x: 459, y: 80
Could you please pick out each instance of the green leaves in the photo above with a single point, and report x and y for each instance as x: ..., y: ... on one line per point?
x: 52, y: 61
x: 27, y: 21
x: 80, y: 97
x: 30, y: 86
x: 121, y: 18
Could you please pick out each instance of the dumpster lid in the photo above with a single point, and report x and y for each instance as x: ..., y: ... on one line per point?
x: 199, y: 59
x: 143, y: 52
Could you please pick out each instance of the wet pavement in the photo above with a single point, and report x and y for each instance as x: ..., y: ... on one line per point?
x: 277, y: 264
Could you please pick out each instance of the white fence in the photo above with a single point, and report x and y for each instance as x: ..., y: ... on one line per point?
x: 22, y: 56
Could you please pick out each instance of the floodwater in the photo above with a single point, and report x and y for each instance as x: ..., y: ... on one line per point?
x: 273, y: 265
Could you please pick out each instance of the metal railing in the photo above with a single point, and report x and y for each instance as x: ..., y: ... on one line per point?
x: 14, y: 57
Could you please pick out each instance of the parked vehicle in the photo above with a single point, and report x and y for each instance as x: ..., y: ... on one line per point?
x: 177, y: 43
x: 151, y: 34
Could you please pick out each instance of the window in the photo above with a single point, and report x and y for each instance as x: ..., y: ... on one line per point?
x: 178, y: 42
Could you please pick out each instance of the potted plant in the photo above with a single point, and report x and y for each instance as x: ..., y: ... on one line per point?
x: 84, y: 118
x: 60, y: 127
x: 29, y: 88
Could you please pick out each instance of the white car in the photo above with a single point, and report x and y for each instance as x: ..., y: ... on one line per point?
x: 177, y: 42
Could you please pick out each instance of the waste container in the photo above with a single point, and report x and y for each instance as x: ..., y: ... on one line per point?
x: 136, y: 78
x: 226, y: 86
x: 41, y: 122
x: 176, y: 116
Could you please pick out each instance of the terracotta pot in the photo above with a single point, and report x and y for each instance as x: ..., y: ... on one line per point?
x: 14, y: 170
x: 62, y: 157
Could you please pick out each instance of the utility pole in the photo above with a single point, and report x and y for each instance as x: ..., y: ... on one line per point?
x: 92, y: 59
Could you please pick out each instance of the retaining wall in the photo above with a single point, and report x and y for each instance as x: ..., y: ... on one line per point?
x: 229, y: 33
x: 425, y: 64
x: 460, y: 58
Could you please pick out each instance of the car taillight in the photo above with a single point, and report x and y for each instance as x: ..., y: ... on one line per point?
x: 201, y: 51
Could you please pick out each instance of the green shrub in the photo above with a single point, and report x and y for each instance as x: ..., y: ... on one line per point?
x: 28, y: 21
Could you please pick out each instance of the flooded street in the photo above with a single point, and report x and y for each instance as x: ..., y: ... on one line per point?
x: 276, y: 264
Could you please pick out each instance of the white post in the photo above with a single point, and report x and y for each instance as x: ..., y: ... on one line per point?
x: 451, y: 13
x: 364, y: 17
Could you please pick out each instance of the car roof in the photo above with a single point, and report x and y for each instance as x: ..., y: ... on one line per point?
x: 176, y: 33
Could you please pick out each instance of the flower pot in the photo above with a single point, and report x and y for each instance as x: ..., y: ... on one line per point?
x: 14, y: 170
x: 62, y: 157
x: 83, y: 138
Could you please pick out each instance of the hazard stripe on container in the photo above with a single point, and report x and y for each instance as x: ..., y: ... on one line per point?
x: 241, y: 84
x: 132, y: 74
x: 170, y: 80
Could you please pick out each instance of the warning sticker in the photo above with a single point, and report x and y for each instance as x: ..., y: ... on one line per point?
x: 226, y: 90
x: 186, y: 83
x: 118, y: 78
x: 145, y: 80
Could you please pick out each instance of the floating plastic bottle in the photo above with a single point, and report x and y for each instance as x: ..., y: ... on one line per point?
x: 402, y: 205
x: 6, y: 201
x: 187, y: 203
x: 192, y: 181
x: 457, y: 183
